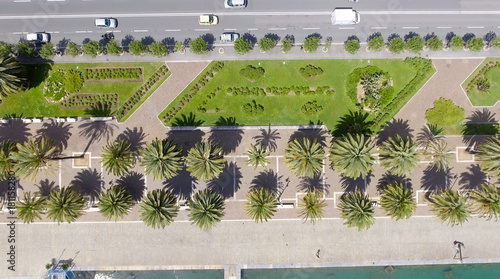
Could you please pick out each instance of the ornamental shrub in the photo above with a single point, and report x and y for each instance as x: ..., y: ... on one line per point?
x: 495, y: 42
x: 415, y: 44
x: 445, y: 113
x: 311, y: 44
x: 137, y: 48
x: 396, y: 45
x: 26, y: 49
x: 456, y: 43
x: 242, y: 45
x: 179, y: 46
x: 73, y: 80
x: 72, y: 49
x: 253, y: 109
x: 266, y: 44
x: 483, y: 84
x: 47, y: 52
x: 311, y: 108
x: 475, y: 44
x: 113, y: 48
x: 309, y: 72
x: 435, y: 43
x: 6, y: 49
x: 376, y: 43
x: 352, y: 46
x: 198, y: 46
x: 252, y: 73
x: 286, y: 45
x: 92, y: 48
x: 158, y: 49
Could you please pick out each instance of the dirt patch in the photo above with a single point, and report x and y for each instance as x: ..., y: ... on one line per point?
x: 82, y: 162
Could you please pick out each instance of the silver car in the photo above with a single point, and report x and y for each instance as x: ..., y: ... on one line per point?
x: 106, y: 22
x: 229, y: 37
x: 235, y: 4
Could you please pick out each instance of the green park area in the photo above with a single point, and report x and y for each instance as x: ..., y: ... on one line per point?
x: 90, y: 89
x: 483, y: 85
x: 297, y: 92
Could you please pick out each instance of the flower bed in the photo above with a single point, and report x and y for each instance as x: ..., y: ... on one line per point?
x: 143, y: 91
x: 113, y: 74
x: 477, y: 84
x: 89, y: 101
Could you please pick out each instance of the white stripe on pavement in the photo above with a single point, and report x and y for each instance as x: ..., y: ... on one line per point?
x: 140, y: 31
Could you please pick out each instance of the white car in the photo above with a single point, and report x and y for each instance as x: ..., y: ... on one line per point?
x: 38, y: 37
x: 208, y: 20
x: 229, y: 37
x: 106, y: 22
x: 235, y: 4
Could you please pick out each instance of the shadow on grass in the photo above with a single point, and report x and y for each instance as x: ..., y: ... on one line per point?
x: 353, y: 123
x: 37, y: 74
x: 187, y: 120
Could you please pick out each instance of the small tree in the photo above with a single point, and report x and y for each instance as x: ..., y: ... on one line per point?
x: 92, y: 48
x: 495, y: 42
x: 396, y: 45
x: 328, y: 43
x: 26, y: 49
x: 179, y: 46
x: 352, y: 46
x: 72, y: 49
x: 445, y: 113
x: 158, y: 49
x: 48, y: 51
x: 242, y: 45
x: 435, y: 43
x: 6, y: 49
x: 114, y: 48
x: 266, y: 44
x: 311, y: 44
x: 415, y: 44
x: 198, y: 46
x: 137, y: 48
x: 475, y: 44
x: 376, y: 43
x: 286, y: 45
x: 456, y: 43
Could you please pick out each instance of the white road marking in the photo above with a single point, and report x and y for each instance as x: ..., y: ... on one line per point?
x: 310, y: 28
x: 475, y: 27
x: 378, y: 27
x: 443, y: 27
x: 201, y: 29
x: 17, y: 33
x: 409, y: 27
x: 80, y: 31
x: 140, y: 31
x: 346, y: 28
x: 53, y: 32
x: 276, y: 28
x: 56, y: 0
x: 22, y: 1
x: 172, y: 30
x: 254, y: 29
x: 230, y: 29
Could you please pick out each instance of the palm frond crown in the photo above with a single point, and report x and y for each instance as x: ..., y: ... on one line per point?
x: 304, y: 157
x: 206, y: 209
x: 118, y: 157
x: 451, y: 207
x: 162, y: 159
x: 351, y: 156
x: 487, y: 202
x: 30, y: 208
x: 114, y: 203
x: 399, y: 155
x: 159, y: 208
x: 398, y: 201
x: 260, y: 205
x: 205, y: 161
x: 65, y: 205
x: 312, y: 206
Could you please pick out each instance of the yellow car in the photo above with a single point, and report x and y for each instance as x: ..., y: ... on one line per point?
x: 208, y: 20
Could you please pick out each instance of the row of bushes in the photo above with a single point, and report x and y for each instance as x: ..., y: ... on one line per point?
x: 311, y: 108
x: 200, y: 83
x: 112, y: 73
x: 90, y: 101
x: 208, y: 97
x: 424, y: 68
x: 141, y: 92
x: 276, y: 91
x: 480, y: 82
x: 253, y: 109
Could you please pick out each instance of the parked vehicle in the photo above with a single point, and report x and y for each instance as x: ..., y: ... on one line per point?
x: 106, y: 22
x: 235, y: 4
x: 39, y: 37
x: 229, y: 37
x: 345, y: 16
x: 208, y: 20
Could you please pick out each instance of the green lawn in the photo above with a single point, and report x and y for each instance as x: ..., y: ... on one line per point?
x: 285, y: 110
x: 491, y: 97
x: 31, y: 103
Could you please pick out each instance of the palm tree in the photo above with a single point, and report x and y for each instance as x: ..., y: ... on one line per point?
x: 429, y: 133
x: 258, y: 156
x: 12, y: 76
x: 206, y: 209
x: 118, y: 157
x: 351, y: 156
x: 260, y: 205
x: 205, y: 161
x: 34, y: 155
x: 312, y: 206
x: 115, y: 203
x: 357, y: 210
x: 398, y: 201
x: 6, y: 163
x: 487, y: 201
x: 30, y: 207
x: 489, y: 156
x: 159, y: 208
x: 440, y: 153
x: 399, y: 155
x: 304, y: 157
x: 65, y: 205
x: 162, y: 158
x: 451, y: 206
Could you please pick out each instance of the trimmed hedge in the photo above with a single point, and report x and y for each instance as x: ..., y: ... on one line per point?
x: 89, y: 101
x: 311, y: 108
x: 279, y: 91
x: 310, y: 72
x: 112, y: 73
x: 138, y: 95
x: 252, y: 73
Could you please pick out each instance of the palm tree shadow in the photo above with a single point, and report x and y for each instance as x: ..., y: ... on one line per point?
x: 185, y: 140
x: 58, y: 132
x: 226, y: 121
x: 353, y: 123
x: 268, y: 138
x: 313, y: 134
x: 355, y: 184
x: 95, y: 131
x: 187, y: 120
x: 228, y: 182
x: 16, y: 130
x: 135, y: 137
x: 182, y: 185
x: 46, y: 187
x: 474, y: 135
x: 311, y: 184
x: 267, y: 179
x: 436, y: 180
x: 134, y: 183
x: 88, y: 182
x: 473, y: 178
x: 228, y: 140
x: 395, y: 127
x: 389, y: 178
x: 99, y: 110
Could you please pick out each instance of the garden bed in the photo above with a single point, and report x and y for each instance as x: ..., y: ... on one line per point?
x: 113, y: 74
x: 483, y: 85
x: 90, y: 101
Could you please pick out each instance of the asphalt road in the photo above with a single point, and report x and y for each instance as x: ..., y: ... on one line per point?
x: 176, y: 21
